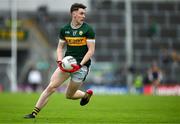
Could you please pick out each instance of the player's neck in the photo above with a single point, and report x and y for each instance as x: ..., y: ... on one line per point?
x: 75, y: 25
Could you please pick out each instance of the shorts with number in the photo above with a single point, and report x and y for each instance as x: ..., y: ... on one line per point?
x: 80, y: 75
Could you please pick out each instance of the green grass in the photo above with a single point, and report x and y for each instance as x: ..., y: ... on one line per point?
x: 105, y: 109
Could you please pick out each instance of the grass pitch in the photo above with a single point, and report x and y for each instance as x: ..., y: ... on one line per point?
x: 103, y: 109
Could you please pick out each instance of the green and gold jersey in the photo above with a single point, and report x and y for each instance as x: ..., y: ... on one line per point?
x: 76, y: 40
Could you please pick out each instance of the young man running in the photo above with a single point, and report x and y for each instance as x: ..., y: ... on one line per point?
x: 79, y: 37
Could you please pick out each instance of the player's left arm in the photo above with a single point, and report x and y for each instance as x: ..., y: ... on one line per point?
x: 90, y: 44
x: 90, y: 52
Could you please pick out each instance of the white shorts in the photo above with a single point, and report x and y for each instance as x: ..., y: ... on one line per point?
x: 80, y: 75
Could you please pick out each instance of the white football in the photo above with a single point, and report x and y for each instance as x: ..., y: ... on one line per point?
x: 67, y: 61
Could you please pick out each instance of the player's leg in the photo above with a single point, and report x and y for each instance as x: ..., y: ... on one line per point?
x: 57, y: 79
x: 72, y: 91
x: 76, y: 81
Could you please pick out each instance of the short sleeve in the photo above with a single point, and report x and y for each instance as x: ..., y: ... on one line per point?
x: 61, y: 34
x: 90, y: 33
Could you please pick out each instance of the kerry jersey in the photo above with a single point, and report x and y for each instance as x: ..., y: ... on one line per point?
x: 76, y: 40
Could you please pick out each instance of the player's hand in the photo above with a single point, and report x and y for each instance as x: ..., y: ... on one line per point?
x: 59, y: 63
x: 76, y: 67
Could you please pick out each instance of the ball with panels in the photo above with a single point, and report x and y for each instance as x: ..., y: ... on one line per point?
x: 67, y: 61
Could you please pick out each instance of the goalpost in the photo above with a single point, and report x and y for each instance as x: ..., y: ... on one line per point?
x: 128, y: 43
x: 8, y: 65
x: 13, y: 46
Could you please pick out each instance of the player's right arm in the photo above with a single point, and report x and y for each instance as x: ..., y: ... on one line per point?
x: 61, y: 44
x: 60, y: 47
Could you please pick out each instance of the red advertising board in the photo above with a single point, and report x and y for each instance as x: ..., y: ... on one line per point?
x: 163, y: 90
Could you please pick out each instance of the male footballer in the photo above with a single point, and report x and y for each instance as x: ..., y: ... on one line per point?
x: 79, y: 37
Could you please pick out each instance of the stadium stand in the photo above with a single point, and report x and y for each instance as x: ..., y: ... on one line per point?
x: 156, y: 25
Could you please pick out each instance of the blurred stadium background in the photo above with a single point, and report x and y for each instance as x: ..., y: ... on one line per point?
x: 131, y: 35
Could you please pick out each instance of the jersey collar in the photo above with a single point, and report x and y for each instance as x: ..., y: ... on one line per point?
x: 74, y: 27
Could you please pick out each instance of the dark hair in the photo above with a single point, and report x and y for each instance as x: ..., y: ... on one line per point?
x: 76, y: 6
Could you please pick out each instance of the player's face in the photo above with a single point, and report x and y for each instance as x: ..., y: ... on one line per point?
x: 79, y: 16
